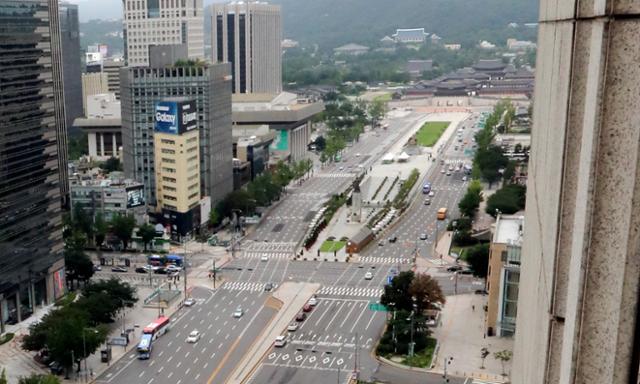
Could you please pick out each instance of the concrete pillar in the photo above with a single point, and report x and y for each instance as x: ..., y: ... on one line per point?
x: 93, y: 147
x: 581, y: 265
x: 101, y: 144
x: 114, y: 145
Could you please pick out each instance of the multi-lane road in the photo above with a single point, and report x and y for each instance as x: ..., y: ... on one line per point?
x: 343, y: 328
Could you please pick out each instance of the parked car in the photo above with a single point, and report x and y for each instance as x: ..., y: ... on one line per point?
x: 454, y: 268
x: 189, y: 302
x: 301, y: 316
x: 56, y: 368
x: 193, y: 337
x: 292, y: 327
x: 119, y: 269
x: 281, y: 341
x: 307, y: 308
x: 238, y: 313
x: 380, y: 243
x: 97, y: 267
x: 313, y: 301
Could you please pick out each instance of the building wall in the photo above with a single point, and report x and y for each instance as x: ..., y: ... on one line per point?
x: 112, y: 69
x: 177, y: 162
x: 33, y: 165
x: 210, y: 87
x: 71, y: 61
x: 248, y: 35
x: 156, y: 22
x: 578, y: 307
x: 93, y: 84
x: 493, y: 286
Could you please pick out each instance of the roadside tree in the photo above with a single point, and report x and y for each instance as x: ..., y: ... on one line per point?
x: 122, y: 226
x: 147, y: 232
x: 426, y: 292
x: 396, y: 295
x: 478, y: 259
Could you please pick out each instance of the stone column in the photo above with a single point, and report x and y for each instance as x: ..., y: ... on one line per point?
x: 114, y: 145
x: 581, y: 260
x: 101, y: 143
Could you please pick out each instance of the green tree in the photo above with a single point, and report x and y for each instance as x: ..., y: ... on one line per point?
x: 3, y: 377
x: 38, y: 379
x: 491, y: 161
x: 504, y: 356
x: 471, y: 200
x: 112, y: 164
x: 122, y: 226
x: 81, y: 221
x: 509, y: 199
x: 214, y: 217
x: 323, y: 158
x: 396, y: 295
x: 100, y: 229
x: 78, y: 264
x: 426, y: 292
x: 377, y: 109
x: 478, y: 259
x: 147, y: 232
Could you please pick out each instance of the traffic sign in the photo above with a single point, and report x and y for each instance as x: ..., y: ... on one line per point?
x: 389, y: 278
x: 377, y: 307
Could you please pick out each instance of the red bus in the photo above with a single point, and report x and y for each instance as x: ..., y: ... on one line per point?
x: 158, y: 327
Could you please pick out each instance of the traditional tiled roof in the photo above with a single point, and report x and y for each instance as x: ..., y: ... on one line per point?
x: 410, y: 35
x: 489, y: 65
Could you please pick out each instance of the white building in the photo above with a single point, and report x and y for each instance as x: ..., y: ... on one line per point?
x: 248, y: 35
x: 162, y: 22
x: 410, y: 36
x: 102, y: 125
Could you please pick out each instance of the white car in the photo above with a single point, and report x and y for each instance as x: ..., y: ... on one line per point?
x: 238, y: 313
x: 281, y: 341
x: 193, y: 337
x: 173, y: 268
x: 357, y: 155
x: 368, y: 276
x: 443, y: 170
x: 423, y: 236
x: 313, y: 302
x: 189, y: 302
x: 464, y: 178
x: 264, y: 257
x: 292, y: 327
x: 432, y: 193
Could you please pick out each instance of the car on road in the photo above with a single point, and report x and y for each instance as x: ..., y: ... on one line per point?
x: 423, y: 236
x: 380, y: 243
x: 189, y: 302
x: 432, y: 193
x: 238, y: 313
x: 307, y: 308
x: 393, y: 239
x: 97, y: 267
x: 172, y: 268
x: 143, y: 269
x: 443, y: 170
x: 268, y: 287
x: 455, y: 148
x: 119, y: 269
x: 301, y: 316
x: 264, y: 257
x: 292, y: 327
x: 454, y: 268
x: 193, y: 337
x: 448, y: 173
x: 427, y: 201
x: 340, y: 168
x: 464, y: 178
x: 466, y: 271
x: 368, y: 276
x: 280, y: 342
x: 313, y: 302
x: 357, y: 155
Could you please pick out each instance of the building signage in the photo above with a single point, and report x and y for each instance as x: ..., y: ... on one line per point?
x: 176, y: 117
x: 135, y: 196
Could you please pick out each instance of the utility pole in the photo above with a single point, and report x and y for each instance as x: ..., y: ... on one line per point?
x: 213, y: 273
x: 184, y: 267
x: 455, y: 283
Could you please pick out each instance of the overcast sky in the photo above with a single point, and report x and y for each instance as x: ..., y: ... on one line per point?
x: 106, y: 9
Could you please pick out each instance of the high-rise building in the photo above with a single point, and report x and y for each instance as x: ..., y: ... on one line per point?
x: 162, y: 22
x: 579, y: 307
x: 248, y: 35
x: 210, y: 87
x: 94, y: 83
x: 33, y: 164
x: 111, y: 67
x: 177, y: 164
x: 71, y: 61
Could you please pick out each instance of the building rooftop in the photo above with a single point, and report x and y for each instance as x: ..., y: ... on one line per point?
x: 509, y: 230
x: 351, y: 47
x: 419, y: 65
x: 492, y: 65
x: 410, y: 34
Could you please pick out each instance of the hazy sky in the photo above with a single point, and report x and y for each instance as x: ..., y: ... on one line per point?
x: 106, y: 9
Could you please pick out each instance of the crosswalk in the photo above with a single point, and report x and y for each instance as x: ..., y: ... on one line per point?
x: 270, y: 255
x: 244, y: 286
x: 270, y: 247
x: 335, y: 174
x: 351, y: 291
x: 384, y: 260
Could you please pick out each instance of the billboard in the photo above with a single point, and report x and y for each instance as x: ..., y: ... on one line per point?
x: 135, y: 196
x: 281, y: 141
x: 176, y: 117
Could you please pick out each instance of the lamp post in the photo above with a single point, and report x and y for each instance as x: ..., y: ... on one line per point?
x: 84, y: 350
x: 412, y: 344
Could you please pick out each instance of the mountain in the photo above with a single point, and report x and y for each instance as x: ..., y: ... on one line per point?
x: 331, y: 23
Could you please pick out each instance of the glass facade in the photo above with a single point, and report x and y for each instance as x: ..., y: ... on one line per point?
x: 32, y: 155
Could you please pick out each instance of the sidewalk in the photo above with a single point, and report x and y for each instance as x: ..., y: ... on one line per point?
x: 287, y: 299
x: 424, y: 264
x: 461, y: 336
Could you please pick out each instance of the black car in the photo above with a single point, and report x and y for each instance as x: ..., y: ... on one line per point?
x: 454, y: 268
x: 466, y: 272
x: 268, y: 287
x: 161, y: 271
x: 393, y: 239
x: 142, y: 270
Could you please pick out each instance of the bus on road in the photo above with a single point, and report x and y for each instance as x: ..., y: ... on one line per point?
x: 442, y: 213
x: 144, y: 346
x: 157, y: 328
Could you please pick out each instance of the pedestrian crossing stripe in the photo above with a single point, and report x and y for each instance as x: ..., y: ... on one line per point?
x: 245, y: 286
x: 339, y: 174
x: 351, y: 291
x: 270, y: 255
x: 270, y: 247
x: 384, y: 260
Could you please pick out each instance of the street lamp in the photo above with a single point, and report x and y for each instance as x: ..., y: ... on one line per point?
x: 412, y: 344
x: 84, y: 350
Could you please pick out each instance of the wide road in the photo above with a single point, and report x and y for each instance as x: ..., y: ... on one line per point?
x: 224, y: 340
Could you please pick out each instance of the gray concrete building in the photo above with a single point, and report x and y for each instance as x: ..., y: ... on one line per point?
x: 111, y: 67
x: 33, y: 162
x: 71, y: 61
x: 578, y: 309
x: 248, y: 35
x: 210, y: 87
x: 103, y: 126
x: 161, y: 22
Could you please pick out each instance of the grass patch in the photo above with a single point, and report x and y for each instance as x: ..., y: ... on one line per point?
x: 423, y: 358
x: 66, y: 299
x: 383, y: 98
x: 462, y: 251
x: 6, y: 338
x: 332, y: 246
x: 430, y: 132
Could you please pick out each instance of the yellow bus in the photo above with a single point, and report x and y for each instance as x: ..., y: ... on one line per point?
x: 442, y: 213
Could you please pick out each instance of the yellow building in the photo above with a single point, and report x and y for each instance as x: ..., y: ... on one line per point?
x: 177, y: 165
x: 503, y: 277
